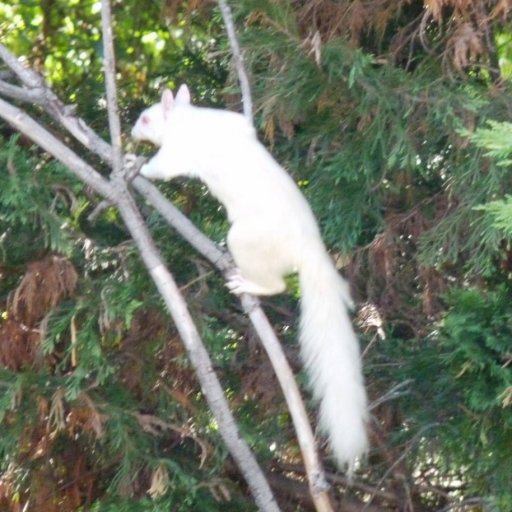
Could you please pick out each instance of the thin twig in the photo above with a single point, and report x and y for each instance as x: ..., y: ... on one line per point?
x: 245, y: 85
x: 395, y: 392
x: 98, y: 209
x: 402, y: 456
x: 469, y: 504
x: 316, y: 476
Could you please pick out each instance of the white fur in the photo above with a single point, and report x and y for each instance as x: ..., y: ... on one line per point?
x: 273, y: 233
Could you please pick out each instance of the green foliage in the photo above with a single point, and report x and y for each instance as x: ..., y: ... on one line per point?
x: 393, y: 178
x: 501, y: 214
x: 496, y: 142
x: 462, y: 389
x: 371, y: 131
x: 91, y: 388
x: 376, y: 124
x: 25, y: 212
x: 478, y: 328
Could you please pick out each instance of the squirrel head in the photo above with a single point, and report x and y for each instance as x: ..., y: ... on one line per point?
x: 150, y: 125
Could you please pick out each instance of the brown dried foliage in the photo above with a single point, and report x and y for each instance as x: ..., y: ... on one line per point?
x: 459, y: 32
x: 172, y: 8
x: 66, y: 474
x: 461, y: 29
x: 45, y: 283
x: 62, y: 476
x: 43, y: 286
x: 175, y: 376
x: 387, y: 274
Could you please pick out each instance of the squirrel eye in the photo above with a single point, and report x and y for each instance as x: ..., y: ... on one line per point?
x: 145, y: 119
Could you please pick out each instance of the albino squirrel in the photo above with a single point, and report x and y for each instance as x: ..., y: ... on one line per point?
x: 273, y: 233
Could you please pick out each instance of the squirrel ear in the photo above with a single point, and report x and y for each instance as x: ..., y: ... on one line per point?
x: 167, y: 100
x: 183, y: 95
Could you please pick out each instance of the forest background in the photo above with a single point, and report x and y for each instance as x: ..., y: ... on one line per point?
x: 394, y: 119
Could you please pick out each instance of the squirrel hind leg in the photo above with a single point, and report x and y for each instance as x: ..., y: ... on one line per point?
x: 238, y: 284
x: 259, y: 259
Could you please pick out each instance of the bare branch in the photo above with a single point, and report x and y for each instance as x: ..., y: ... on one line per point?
x: 171, y: 294
x: 19, y: 93
x: 117, y: 191
x: 63, y: 114
x: 98, y: 209
x: 316, y: 477
x: 317, y: 482
x: 79, y: 129
x: 395, y: 392
x: 26, y: 125
x: 109, y: 69
x: 410, y: 445
x: 29, y: 77
x: 238, y: 58
x: 198, y: 355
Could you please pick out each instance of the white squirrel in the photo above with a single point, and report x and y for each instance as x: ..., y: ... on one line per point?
x: 273, y: 233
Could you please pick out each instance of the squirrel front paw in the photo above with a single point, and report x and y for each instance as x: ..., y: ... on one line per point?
x: 132, y: 165
x: 129, y: 160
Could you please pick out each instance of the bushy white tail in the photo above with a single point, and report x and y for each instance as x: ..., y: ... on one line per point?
x: 330, y: 352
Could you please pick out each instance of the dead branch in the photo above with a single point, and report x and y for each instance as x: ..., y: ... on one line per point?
x: 238, y: 58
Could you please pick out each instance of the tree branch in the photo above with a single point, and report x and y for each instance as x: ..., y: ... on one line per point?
x: 245, y: 85
x: 43, y: 138
x: 19, y: 93
x: 109, y: 71
x: 198, y: 355
x: 221, y: 260
x: 119, y: 194
x: 316, y: 477
x: 82, y: 132
x: 63, y: 114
